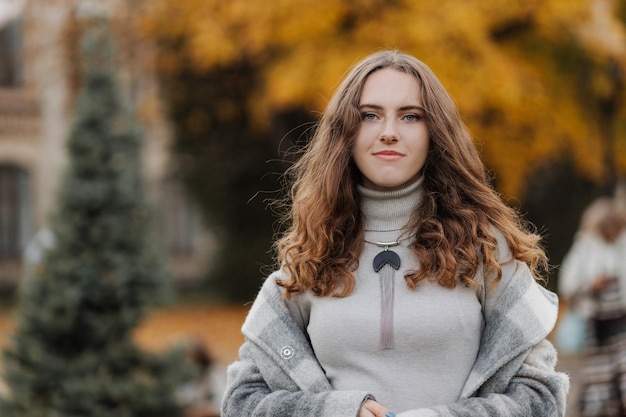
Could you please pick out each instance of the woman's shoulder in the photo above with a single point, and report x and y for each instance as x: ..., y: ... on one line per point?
x: 272, y: 296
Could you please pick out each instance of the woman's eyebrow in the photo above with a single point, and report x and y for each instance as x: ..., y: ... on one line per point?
x: 402, y: 108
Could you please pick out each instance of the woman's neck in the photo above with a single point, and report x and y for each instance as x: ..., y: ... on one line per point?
x: 385, y: 211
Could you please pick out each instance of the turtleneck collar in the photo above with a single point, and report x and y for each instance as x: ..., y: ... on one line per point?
x: 389, y: 210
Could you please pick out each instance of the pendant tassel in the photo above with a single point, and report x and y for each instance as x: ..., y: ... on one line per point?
x: 387, y: 273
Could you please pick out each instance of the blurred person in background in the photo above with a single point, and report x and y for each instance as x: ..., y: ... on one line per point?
x: 593, y: 282
x: 201, y: 396
x: 406, y: 286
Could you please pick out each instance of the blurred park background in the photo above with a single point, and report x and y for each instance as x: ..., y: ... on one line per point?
x: 224, y: 94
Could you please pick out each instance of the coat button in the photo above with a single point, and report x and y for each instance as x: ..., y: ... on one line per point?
x: 287, y: 352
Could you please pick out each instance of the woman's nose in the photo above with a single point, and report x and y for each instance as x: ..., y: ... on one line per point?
x: 389, y: 134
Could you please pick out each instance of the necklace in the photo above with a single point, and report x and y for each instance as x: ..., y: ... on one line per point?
x: 391, y: 258
x: 386, y: 256
x: 386, y: 245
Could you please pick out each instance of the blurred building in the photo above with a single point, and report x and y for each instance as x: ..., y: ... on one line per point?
x: 38, y: 73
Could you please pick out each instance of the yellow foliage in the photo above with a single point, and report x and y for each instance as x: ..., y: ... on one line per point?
x: 520, y: 108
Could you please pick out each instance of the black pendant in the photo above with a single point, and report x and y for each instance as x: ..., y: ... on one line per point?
x: 386, y: 257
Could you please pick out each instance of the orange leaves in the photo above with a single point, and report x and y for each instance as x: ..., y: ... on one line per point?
x: 217, y: 326
x: 219, y: 31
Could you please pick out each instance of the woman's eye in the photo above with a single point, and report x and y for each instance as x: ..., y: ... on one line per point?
x: 412, y: 117
x: 368, y: 116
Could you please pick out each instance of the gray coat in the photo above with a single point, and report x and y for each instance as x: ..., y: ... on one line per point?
x: 278, y: 375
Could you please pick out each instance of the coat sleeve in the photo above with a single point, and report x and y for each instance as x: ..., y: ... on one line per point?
x: 248, y: 393
x: 574, y: 274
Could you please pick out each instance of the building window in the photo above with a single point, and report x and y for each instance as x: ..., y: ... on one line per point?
x: 15, y: 211
x: 10, y: 45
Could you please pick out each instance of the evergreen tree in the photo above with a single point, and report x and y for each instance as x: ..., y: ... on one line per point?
x: 72, y: 353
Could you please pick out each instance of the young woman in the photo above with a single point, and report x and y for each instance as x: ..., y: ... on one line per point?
x: 405, y: 284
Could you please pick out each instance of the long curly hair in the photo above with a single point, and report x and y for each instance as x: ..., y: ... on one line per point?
x: 453, y: 226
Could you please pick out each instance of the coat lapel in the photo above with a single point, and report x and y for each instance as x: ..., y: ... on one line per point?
x: 519, y: 313
x: 270, y: 327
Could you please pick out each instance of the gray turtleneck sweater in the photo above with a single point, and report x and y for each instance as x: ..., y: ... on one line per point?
x: 435, y: 333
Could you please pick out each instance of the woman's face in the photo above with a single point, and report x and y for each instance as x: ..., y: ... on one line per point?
x: 392, y: 140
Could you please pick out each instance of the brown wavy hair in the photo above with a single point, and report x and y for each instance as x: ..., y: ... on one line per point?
x: 453, y: 225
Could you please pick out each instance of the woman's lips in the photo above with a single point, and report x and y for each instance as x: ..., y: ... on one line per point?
x: 388, y: 155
